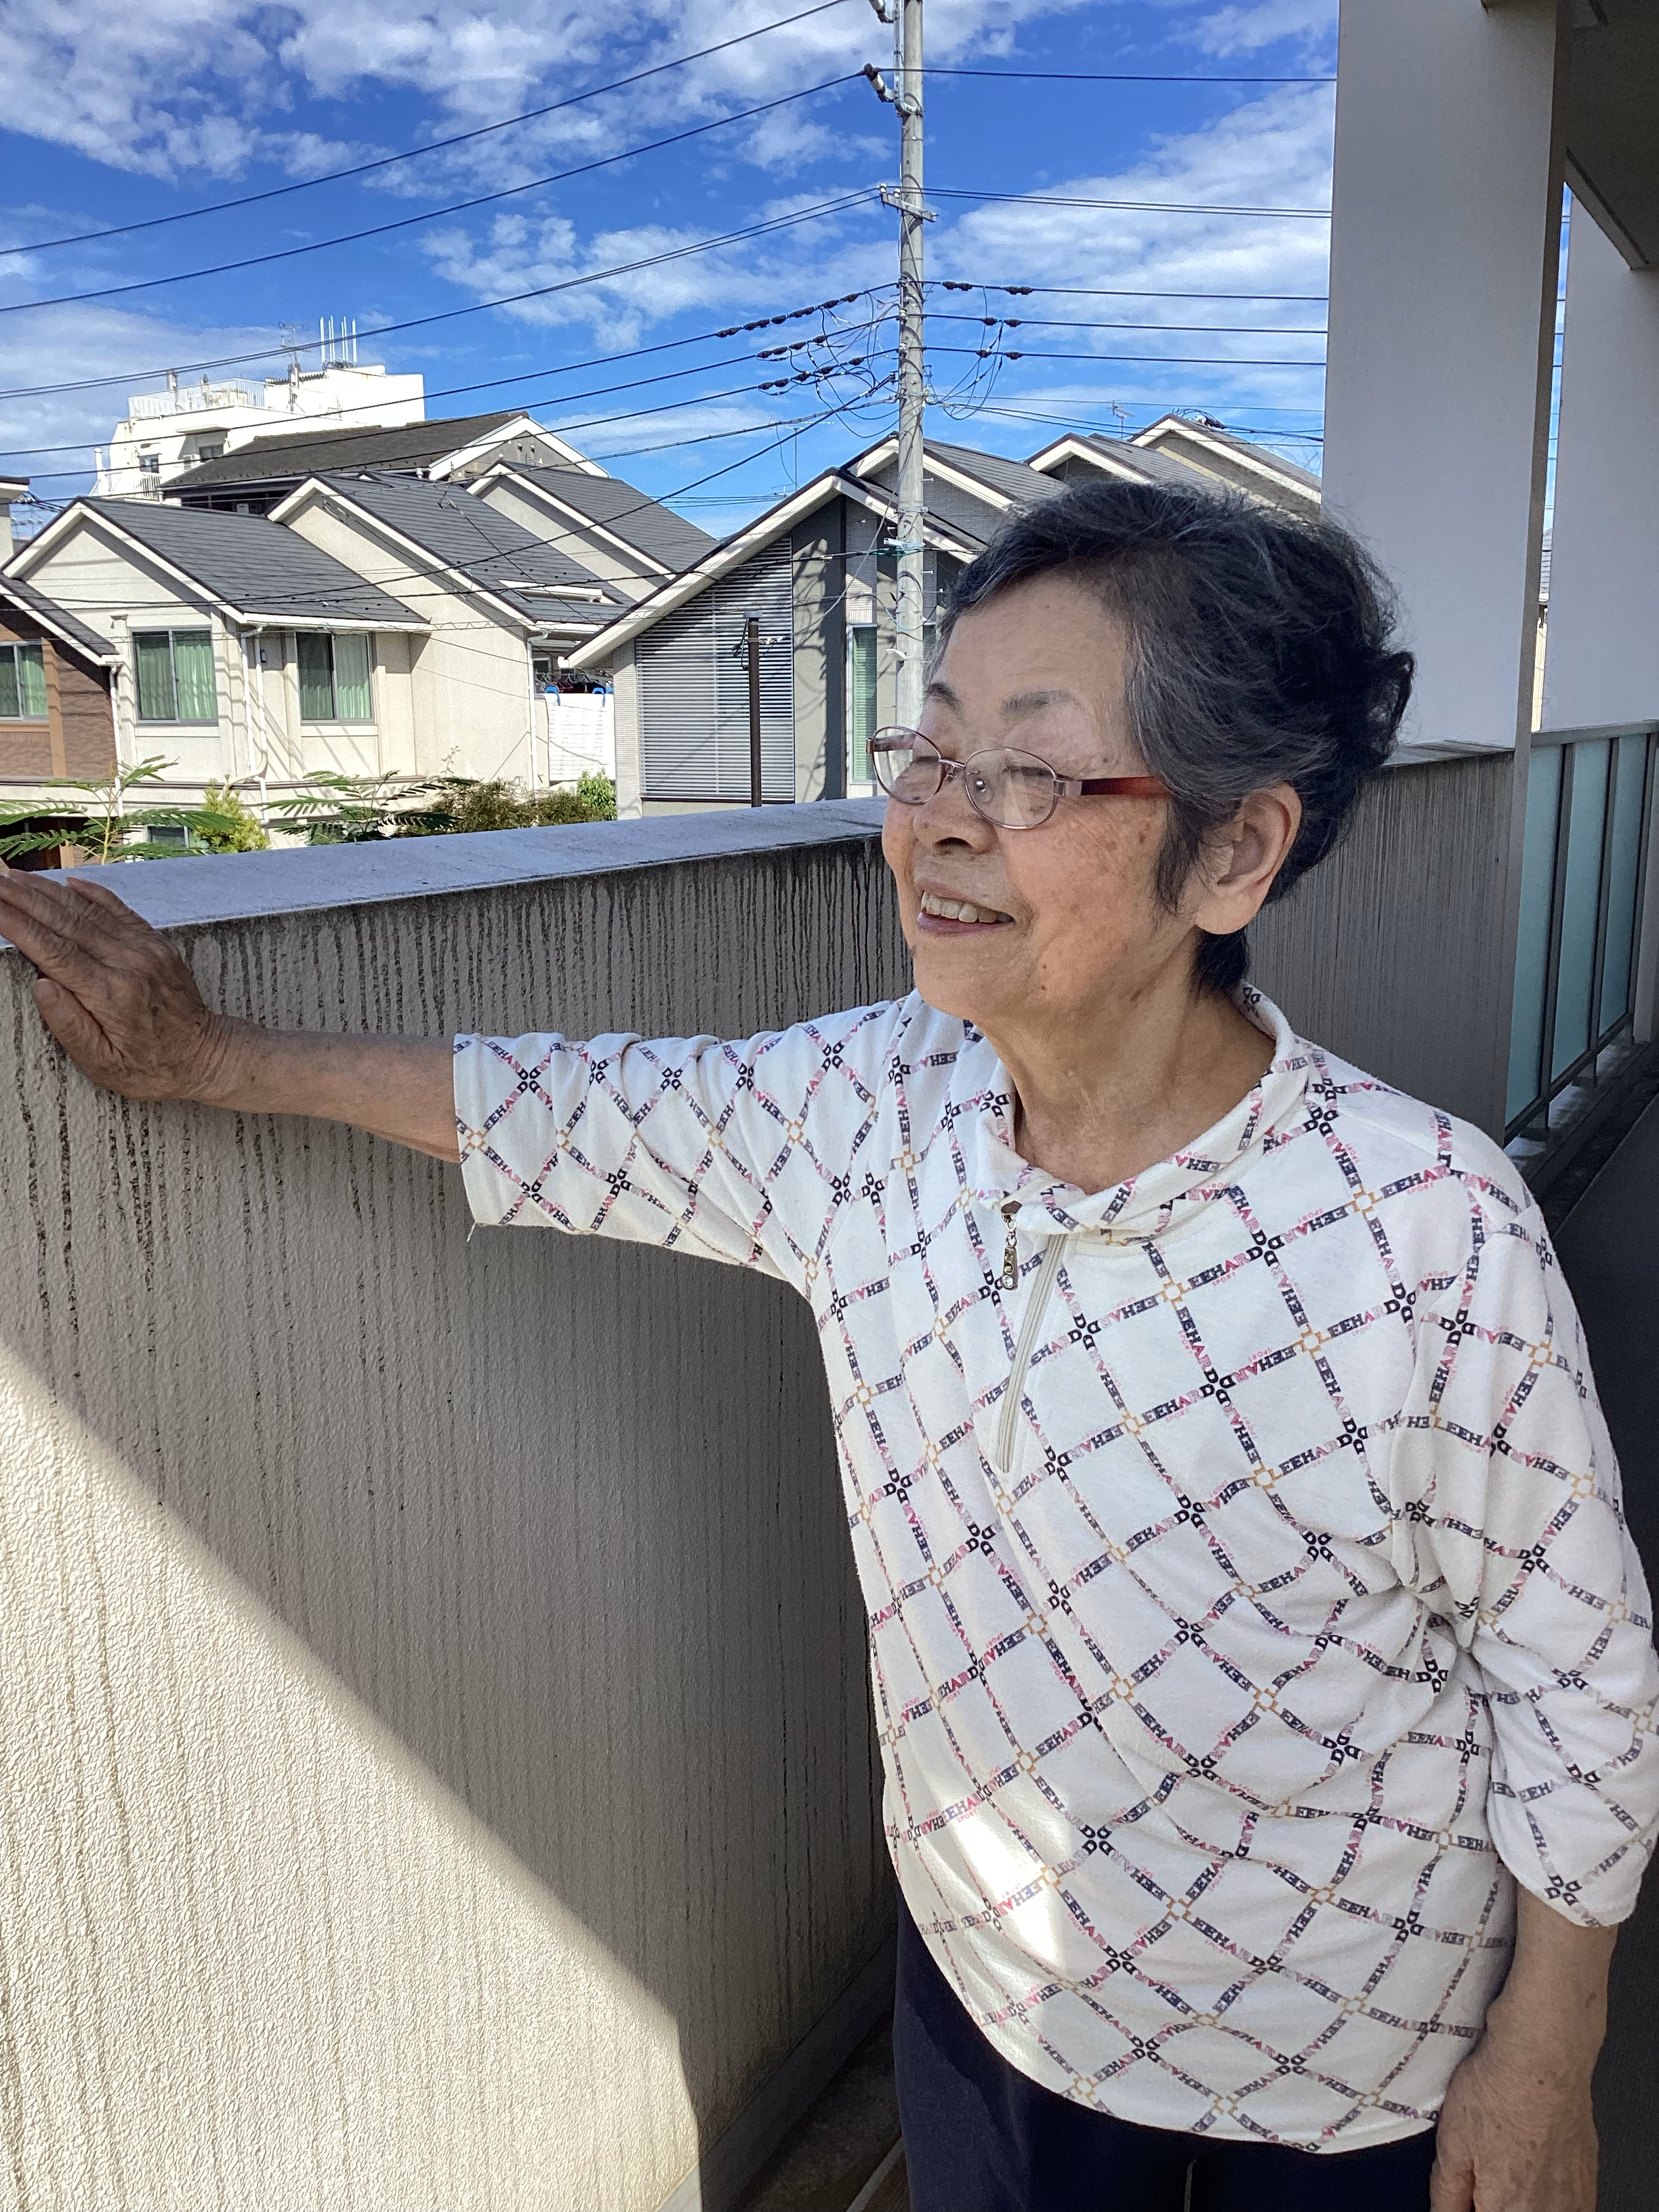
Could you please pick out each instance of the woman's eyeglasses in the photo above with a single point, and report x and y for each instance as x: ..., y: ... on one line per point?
x: 1013, y: 790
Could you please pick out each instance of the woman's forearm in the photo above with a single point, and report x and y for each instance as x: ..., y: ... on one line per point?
x: 397, y: 1087
x: 122, y: 1003
x: 1553, y: 2006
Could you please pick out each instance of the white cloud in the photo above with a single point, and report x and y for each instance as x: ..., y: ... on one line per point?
x: 1273, y: 152
x: 183, y: 87
x: 67, y: 345
x: 1246, y: 28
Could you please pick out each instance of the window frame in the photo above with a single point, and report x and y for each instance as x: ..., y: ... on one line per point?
x: 330, y: 639
x: 175, y: 719
x: 12, y: 648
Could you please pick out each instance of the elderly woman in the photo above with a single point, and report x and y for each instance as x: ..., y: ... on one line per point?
x: 1261, y: 1666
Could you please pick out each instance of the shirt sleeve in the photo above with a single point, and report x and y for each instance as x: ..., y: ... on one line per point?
x: 736, y: 1151
x: 1513, y: 1529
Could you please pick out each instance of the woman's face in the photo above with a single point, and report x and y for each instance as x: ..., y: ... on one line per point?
x: 1064, y: 915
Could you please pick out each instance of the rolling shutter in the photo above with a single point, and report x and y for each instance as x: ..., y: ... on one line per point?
x: 694, y: 690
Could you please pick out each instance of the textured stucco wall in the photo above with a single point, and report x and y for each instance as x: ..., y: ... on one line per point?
x: 1393, y: 951
x: 437, y: 1765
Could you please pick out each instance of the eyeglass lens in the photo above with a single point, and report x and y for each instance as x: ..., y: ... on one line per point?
x: 1014, y: 790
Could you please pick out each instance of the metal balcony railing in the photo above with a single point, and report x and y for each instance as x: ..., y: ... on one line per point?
x: 1583, y: 876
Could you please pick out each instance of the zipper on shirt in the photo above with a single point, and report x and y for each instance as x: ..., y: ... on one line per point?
x: 1036, y: 1306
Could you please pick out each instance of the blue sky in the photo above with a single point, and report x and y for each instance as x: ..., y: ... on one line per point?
x: 146, y: 112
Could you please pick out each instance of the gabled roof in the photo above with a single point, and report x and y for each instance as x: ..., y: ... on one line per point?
x: 470, y: 544
x: 282, y: 456
x: 1012, y: 480
x: 999, y: 483
x: 63, y: 625
x: 253, y: 569
x: 753, y: 539
x: 1116, y: 457
x: 667, y: 540
x: 1225, y: 445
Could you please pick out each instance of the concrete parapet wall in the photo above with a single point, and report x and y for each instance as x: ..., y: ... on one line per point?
x: 437, y: 1758
x: 436, y: 1744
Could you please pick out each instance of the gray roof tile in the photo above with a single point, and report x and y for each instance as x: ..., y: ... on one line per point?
x: 57, y: 618
x: 656, y: 530
x: 465, y: 532
x: 285, y: 456
x: 1014, y: 479
x: 255, y: 566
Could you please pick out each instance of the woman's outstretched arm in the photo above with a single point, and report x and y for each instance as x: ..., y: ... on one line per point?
x: 125, y: 1008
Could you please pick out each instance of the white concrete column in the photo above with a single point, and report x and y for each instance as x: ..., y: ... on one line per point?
x: 1602, y: 662
x: 1444, y: 270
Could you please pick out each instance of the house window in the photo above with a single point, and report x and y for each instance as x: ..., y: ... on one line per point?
x: 175, y: 676
x: 23, y: 683
x: 150, y: 464
x: 334, y: 677
x: 861, y: 723
x: 870, y: 675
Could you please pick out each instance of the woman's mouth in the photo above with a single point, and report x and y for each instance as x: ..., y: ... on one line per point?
x: 941, y: 916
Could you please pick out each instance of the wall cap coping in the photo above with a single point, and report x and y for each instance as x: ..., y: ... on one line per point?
x: 211, y: 887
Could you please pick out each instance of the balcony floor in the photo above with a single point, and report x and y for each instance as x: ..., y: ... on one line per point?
x: 1610, y: 1247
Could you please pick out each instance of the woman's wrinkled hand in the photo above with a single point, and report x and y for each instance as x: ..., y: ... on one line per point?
x: 112, y: 991
x: 1516, y: 2133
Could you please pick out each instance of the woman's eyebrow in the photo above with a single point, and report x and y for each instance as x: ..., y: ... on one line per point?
x: 1028, y: 702
x: 940, y: 689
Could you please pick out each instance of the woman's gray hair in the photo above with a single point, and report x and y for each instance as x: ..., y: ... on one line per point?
x: 1260, y: 651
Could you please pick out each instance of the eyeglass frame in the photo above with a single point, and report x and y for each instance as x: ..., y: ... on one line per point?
x: 1064, y: 787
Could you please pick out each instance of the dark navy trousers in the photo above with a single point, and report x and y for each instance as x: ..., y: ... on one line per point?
x: 981, y: 2137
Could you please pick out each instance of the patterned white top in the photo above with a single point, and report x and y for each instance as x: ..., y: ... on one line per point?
x: 1249, y: 1592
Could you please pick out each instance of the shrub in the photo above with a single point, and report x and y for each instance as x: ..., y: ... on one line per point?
x: 227, y: 824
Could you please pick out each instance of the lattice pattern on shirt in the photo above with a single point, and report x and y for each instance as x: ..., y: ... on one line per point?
x: 1303, y: 1606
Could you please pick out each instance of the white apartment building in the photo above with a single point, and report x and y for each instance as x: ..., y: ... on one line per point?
x: 165, y: 432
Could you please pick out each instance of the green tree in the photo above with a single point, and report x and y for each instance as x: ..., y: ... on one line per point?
x: 352, y: 810
x: 99, y: 820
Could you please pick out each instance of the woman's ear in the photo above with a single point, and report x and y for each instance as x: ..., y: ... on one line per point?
x: 1230, y: 886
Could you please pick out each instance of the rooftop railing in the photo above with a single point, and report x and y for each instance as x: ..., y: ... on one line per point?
x: 192, y: 399
x: 1583, y: 878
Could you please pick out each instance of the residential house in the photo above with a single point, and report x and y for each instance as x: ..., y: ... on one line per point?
x: 1185, y: 450
x: 164, y: 435
x: 627, y: 538
x: 57, y: 681
x: 243, y: 651
x: 498, y: 606
x: 12, y: 490
x: 262, y: 470
x: 818, y: 573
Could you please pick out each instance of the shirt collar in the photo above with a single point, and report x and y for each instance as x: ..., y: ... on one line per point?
x: 1147, y: 1206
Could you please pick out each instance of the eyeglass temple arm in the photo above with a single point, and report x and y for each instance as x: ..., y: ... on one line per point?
x: 1113, y: 786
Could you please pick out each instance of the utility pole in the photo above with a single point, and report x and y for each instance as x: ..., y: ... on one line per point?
x: 751, y: 648
x: 905, y: 94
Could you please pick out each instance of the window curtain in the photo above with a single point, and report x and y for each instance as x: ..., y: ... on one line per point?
x: 193, y: 672
x: 153, y: 651
x: 861, y: 700
x: 316, y: 678
x: 23, y: 683
x: 352, y: 695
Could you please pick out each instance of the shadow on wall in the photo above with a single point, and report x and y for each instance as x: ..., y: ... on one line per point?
x: 547, y: 1777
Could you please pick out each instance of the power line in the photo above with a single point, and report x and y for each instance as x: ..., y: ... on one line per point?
x: 1152, y: 360
x: 595, y: 361
x: 413, y: 153
x: 481, y: 306
x: 429, y: 215
x: 1115, y: 76
x: 329, y: 422
x: 1141, y: 207
x: 1113, y: 292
